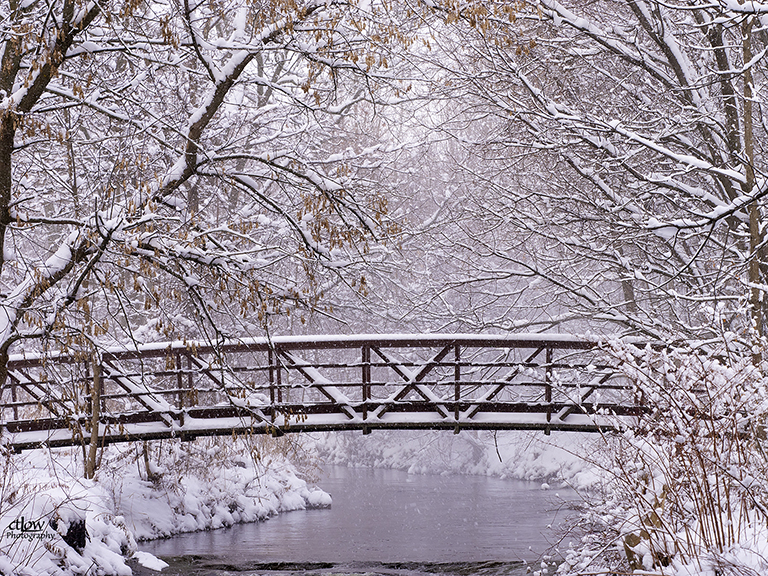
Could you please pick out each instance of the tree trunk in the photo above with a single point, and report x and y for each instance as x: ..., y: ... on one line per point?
x: 90, y: 462
x: 755, y: 232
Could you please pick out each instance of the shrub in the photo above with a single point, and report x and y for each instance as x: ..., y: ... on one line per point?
x: 688, y: 484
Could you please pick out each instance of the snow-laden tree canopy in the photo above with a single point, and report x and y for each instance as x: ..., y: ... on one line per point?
x: 613, y: 172
x: 194, y: 169
x: 187, y: 168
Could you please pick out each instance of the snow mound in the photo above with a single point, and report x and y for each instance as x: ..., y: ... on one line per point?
x: 149, y: 561
x: 56, y: 523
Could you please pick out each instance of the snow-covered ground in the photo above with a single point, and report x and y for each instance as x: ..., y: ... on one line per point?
x: 177, y: 488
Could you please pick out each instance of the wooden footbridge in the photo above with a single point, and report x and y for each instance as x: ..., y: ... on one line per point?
x: 315, y: 383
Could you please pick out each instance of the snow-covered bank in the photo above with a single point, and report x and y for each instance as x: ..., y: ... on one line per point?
x: 614, y: 528
x: 512, y: 454
x: 173, y: 488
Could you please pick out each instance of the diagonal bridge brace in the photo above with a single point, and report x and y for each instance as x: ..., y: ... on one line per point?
x: 149, y: 398
x: 590, y: 389
x: 413, y: 381
x: 224, y: 380
x: 45, y: 395
x: 496, y: 390
x: 320, y: 383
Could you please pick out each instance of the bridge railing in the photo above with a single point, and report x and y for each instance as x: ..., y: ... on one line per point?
x: 321, y: 383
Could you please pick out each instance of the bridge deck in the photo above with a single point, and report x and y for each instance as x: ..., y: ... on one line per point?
x: 317, y: 383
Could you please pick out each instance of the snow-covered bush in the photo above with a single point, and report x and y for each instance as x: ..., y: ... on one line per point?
x: 687, y: 486
x: 209, y: 483
x: 73, y: 525
x: 55, y: 522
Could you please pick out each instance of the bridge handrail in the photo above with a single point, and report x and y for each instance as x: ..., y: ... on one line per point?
x: 322, y: 341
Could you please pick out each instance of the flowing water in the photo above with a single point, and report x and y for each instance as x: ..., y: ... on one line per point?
x: 387, y: 522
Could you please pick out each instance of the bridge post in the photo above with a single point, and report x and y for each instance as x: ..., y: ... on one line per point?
x: 366, y: 380
x: 456, y: 380
x: 548, y: 388
x: 179, y: 381
x: 279, y: 379
x: 270, y: 362
x: 275, y: 377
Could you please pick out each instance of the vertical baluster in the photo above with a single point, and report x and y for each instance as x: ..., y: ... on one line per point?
x: 190, y: 380
x: 14, y: 399
x: 456, y: 385
x: 102, y: 390
x: 366, y: 367
x: 366, y: 384
x: 270, y: 362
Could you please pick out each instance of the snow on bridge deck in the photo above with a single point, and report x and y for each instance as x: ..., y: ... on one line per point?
x: 318, y: 383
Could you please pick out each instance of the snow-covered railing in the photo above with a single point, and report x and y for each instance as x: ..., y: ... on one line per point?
x: 317, y: 383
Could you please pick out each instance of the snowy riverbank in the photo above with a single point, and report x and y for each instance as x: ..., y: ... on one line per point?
x: 178, y: 487
x: 557, y: 458
x: 171, y: 489
x: 175, y: 487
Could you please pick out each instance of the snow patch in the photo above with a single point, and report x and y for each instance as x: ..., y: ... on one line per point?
x: 149, y: 561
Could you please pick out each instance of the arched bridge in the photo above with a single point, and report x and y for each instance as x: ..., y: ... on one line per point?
x: 315, y: 383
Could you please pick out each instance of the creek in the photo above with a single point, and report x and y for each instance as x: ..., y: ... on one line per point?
x: 387, y: 522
